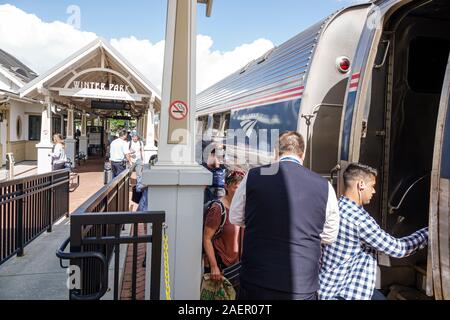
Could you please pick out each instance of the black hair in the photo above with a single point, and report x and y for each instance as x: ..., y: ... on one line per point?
x: 357, y: 171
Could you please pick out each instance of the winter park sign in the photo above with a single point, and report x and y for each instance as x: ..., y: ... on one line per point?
x: 100, y: 90
x: 99, y: 86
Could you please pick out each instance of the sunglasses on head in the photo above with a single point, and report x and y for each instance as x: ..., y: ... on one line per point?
x: 235, y: 174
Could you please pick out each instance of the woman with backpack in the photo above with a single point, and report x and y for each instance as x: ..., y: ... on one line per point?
x: 220, y: 238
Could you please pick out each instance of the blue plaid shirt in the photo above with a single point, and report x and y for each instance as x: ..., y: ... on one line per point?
x: 348, y: 266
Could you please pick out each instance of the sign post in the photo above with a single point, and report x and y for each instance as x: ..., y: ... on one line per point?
x: 176, y: 184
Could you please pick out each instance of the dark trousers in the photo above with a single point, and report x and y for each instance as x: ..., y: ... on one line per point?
x: 377, y: 295
x: 251, y: 292
x: 118, y: 168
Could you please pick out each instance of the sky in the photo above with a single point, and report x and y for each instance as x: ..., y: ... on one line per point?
x: 42, y: 33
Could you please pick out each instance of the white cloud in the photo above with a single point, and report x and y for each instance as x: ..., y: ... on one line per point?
x: 41, y: 45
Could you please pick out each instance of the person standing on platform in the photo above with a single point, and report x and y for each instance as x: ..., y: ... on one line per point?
x: 59, y: 158
x: 137, y: 153
x: 120, y: 154
x: 287, y: 215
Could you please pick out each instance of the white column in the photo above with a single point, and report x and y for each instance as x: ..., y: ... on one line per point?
x: 62, y: 124
x: 177, y: 183
x: 83, y: 138
x: 149, y: 122
x: 70, y: 140
x: 45, y: 146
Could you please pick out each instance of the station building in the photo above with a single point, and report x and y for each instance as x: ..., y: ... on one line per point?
x: 77, y: 98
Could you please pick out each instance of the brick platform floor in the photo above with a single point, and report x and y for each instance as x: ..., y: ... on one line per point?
x: 126, y: 293
x: 91, y: 180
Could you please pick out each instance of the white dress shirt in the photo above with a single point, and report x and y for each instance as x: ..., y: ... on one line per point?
x: 331, y: 227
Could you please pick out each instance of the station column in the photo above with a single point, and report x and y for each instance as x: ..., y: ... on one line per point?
x: 149, y: 131
x: 83, y: 137
x: 45, y: 146
x: 177, y: 182
x: 70, y: 140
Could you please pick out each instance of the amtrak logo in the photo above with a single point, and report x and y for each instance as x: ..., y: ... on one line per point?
x: 248, y: 126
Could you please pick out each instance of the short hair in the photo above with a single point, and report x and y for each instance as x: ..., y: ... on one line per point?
x: 123, y: 133
x: 291, y: 142
x: 356, y: 171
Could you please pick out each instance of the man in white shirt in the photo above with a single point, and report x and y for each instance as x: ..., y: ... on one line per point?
x: 137, y: 153
x: 119, y: 153
x: 287, y: 217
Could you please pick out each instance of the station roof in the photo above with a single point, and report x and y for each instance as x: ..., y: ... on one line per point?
x: 15, y: 70
x: 94, y: 74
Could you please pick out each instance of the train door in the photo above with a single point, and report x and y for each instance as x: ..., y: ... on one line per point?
x: 439, y: 242
x: 390, y: 123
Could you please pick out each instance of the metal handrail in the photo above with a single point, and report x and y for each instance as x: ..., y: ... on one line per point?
x: 80, y: 241
x: 8, y: 183
x: 25, y: 193
x: 85, y: 255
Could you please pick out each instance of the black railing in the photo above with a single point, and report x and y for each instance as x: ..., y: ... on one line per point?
x: 29, y: 207
x: 96, y: 236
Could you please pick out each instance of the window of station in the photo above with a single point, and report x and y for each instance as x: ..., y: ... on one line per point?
x: 34, y: 128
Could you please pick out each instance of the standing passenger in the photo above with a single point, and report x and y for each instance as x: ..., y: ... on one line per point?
x: 221, y: 242
x: 286, y: 217
x: 119, y: 154
x: 349, y: 265
x: 137, y: 153
x: 59, y: 158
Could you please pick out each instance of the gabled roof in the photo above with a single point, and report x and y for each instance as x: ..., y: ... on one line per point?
x: 68, y: 63
x: 15, y: 70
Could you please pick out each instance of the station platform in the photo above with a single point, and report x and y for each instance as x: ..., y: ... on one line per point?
x: 38, y: 275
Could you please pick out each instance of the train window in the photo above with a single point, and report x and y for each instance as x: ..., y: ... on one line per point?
x: 427, y: 62
x: 217, y: 120
x: 202, y: 123
x: 225, y: 124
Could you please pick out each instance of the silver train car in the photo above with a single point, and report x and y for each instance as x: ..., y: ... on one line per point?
x: 368, y: 84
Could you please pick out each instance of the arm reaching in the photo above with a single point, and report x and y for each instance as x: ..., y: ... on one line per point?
x: 371, y: 233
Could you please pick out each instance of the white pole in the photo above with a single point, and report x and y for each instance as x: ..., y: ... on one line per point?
x: 45, y: 146
x: 83, y: 138
x: 177, y: 183
x: 149, y: 123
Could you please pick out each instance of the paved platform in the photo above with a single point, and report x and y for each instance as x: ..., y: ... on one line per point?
x: 21, y: 170
x: 37, y: 275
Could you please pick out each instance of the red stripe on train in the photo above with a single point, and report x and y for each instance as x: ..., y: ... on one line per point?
x: 239, y: 106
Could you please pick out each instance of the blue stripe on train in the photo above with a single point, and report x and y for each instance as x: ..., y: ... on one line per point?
x: 282, y: 116
x: 445, y: 162
x: 348, y: 120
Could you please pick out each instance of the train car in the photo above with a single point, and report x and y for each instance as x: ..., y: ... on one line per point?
x: 368, y: 84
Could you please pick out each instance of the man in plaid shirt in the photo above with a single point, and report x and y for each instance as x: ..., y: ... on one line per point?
x: 349, y: 265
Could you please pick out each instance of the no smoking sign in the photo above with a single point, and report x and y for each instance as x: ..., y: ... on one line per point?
x: 178, y: 110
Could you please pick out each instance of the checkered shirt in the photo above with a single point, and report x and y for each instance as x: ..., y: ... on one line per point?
x: 348, y: 266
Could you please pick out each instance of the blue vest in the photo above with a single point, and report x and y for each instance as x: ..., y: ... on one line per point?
x: 284, y: 217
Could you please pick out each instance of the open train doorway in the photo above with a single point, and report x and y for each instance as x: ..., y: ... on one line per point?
x: 406, y: 94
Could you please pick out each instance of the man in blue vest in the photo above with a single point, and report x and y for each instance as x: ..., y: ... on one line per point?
x: 287, y: 216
